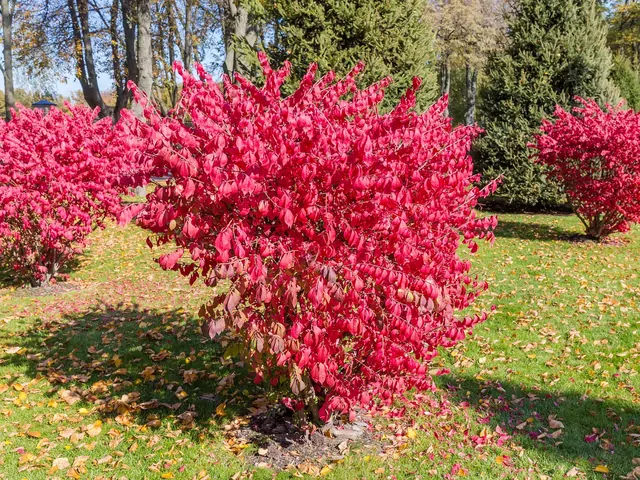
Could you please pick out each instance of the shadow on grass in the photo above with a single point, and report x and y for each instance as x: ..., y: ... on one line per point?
x: 141, y: 366
x: 138, y: 366
x: 532, y: 231
x: 594, y: 431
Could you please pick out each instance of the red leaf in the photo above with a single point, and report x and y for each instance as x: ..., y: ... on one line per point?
x: 169, y: 260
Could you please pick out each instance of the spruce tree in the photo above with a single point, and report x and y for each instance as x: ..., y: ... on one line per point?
x: 392, y: 37
x: 626, y: 76
x: 556, y: 49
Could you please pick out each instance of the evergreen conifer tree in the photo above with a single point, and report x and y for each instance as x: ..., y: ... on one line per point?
x: 627, y: 78
x: 556, y: 49
x: 393, y: 38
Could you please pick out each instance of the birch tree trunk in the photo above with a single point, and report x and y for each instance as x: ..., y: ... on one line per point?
x: 7, y: 43
x: 145, y: 54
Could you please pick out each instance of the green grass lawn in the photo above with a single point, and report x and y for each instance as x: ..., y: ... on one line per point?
x: 113, y: 380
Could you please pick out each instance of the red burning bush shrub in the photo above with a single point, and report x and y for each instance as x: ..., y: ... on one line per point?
x: 58, y: 180
x: 595, y: 155
x: 332, y: 230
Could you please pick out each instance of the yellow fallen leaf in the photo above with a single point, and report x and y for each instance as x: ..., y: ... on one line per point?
x: 601, y: 469
x: 73, y: 473
x: 220, y: 409
x: 22, y: 396
x: 325, y: 470
x: 182, y: 394
x: 411, y: 433
x: 26, y: 458
x: 499, y: 459
x: 34, y: 434
x: 167, y: 475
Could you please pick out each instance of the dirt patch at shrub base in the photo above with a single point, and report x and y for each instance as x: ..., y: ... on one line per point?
x: 272, y: 439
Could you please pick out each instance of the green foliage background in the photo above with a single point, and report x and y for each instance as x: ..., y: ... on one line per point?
x: 555, y: 49
x: 393, y: 38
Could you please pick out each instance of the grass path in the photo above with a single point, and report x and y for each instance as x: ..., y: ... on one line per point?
x: 113, y: 380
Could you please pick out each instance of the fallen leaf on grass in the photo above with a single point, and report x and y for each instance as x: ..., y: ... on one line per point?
x: 26, y: 458
x: 556, y: 434
x: 105, y: 459
x: 601, y: 469
x: 73, y: 473
x: 14, y: 350
x: 555, y: 424
x: 61, y: 463
x: 325, y: 470
x: 573, y: 472
x: 69, y: 396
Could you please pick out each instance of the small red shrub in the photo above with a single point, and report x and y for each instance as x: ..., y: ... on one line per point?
x: 332, y: 230
x: 58, y: 180
x: 595, y: 155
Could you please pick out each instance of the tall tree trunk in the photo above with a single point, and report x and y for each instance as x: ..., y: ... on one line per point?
x: 83, y: 51
x: 145, y: 54
x: 471, y: 94
x: 445, y: 79
x: 127, y: 70
x: 129, y: 29
x: 188, y: 35
x: 238, y: 29
x: 172, y: 57
x: 7, y: 42
x: 118, y: 77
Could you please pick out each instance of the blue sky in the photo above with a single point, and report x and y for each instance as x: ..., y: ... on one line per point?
x: 72, y: 84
